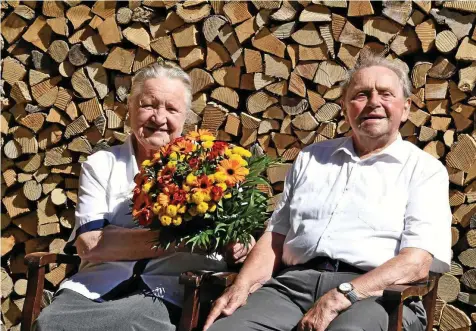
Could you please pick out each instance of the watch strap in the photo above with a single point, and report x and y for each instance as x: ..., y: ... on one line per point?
x: 352, y: 296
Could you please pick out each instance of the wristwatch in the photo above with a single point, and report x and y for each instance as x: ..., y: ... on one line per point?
x: 348, y: 290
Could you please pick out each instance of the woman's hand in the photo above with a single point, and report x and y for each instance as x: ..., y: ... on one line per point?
x: 236, y: 253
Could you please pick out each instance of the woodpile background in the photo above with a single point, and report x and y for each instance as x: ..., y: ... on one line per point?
x: 264, y: 72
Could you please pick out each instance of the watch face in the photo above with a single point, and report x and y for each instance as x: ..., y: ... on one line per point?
x: 345, y: 287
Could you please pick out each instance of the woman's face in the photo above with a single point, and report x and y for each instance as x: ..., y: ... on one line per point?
x: 158, y: 113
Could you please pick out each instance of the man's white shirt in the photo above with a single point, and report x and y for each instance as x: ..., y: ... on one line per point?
x: 105, y: 188
x: 364, y: 212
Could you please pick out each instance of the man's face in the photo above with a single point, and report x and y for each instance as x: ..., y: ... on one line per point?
x: 374, y: 104
x: 158, y: 113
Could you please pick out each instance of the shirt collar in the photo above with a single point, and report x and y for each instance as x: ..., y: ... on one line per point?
x: 396, y: 149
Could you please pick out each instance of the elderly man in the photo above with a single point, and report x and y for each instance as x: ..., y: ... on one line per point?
x: 124, y: 284
x: 357, y: 214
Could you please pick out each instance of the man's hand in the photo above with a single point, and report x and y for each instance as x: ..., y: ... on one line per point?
x: 233, y: 298
x: 324, y: 311
x: 236, y: 253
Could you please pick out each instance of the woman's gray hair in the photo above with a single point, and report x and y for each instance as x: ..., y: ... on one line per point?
x: 368, y: 59
x: 158, y: 70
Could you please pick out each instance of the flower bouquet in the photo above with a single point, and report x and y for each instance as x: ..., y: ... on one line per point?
x: 201, y: 193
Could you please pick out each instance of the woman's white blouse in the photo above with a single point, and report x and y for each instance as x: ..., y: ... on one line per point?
x: 105, y: 188
x: 364, y: 212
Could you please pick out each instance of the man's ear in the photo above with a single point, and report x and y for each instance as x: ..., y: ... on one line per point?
x: 406, y: 109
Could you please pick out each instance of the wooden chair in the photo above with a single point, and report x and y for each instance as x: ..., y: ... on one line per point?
x: 203, y: 287
x: 37, y: 262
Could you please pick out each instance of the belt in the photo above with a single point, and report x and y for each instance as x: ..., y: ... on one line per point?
x: 324, y: 263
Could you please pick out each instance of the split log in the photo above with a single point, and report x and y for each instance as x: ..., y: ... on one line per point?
x: 427, y: 34
x: 448, y: 288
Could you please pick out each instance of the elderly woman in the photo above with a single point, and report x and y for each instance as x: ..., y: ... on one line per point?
x: 122, y: 283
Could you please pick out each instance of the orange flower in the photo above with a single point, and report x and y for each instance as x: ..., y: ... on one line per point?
x: 163, y: 199
x: 183, y: 147
x: 233, y: 170
x: 195, y: 135
x: 204, y: 184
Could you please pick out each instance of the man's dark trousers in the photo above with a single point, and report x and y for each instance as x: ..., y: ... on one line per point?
x: 281, y: 303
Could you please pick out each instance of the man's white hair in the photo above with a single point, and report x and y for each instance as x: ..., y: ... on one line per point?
x: 158, y: 70
x: 368, y: 59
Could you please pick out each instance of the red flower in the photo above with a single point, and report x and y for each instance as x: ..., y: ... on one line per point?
x: 216, y: 193
x: 168, y: 171
x: 179, y: 197
x: 136, y: 193
x: 145, y: 217
x: 170, y: 189
x: 212, y: 155
x: 193, y: 163
x: 140, y: 178
x: 219, y: 147
x: 142, y: 200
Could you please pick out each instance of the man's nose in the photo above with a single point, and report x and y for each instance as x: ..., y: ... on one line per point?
x: 374, y: 100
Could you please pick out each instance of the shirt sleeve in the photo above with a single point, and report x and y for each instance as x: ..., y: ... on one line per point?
x: 280, y: 219
x: 428, y: 217
x: 92, y: 208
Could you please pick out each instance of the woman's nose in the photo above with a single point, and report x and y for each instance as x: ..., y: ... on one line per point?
x: 160, y: 115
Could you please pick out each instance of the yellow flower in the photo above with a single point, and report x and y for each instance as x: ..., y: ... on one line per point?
x: 186, y: 188
x: 193, y: 211
x: 182, y: 157
x: 207, y: 144
x: 198, y: 197
x: 171, y: 164
x: 228, y: 152
x: 173, y: 156
x: 171, y: 210
x: 189, y: 197
x: 207, y: 137
x: 191, y: 179
x: 222, y: 186
x: 241, y: 151
x: 212, y: 207
x: 211, y: 178
x: 156, y: 208
x: 165, y: 220
x: 239, y: 158
x: 147, y: 186
x: 227, y: 196
x: 182, y: 209
x: 202, y: 207
x: 146, y: 163
x: 177, y: 221
x: 220, y: 177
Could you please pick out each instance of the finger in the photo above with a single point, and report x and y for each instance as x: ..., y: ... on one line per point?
x: 241, y: 260
x: 233, y: 305
x: 239, y: 255
x: 214, y: 313
x: 238, y: 248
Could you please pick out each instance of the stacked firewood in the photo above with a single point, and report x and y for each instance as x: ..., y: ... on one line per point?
x: 265, y: 74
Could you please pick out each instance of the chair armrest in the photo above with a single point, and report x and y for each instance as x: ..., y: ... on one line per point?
x: 200, y: 289
x: 398, y: 293
x: 40, y: 259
